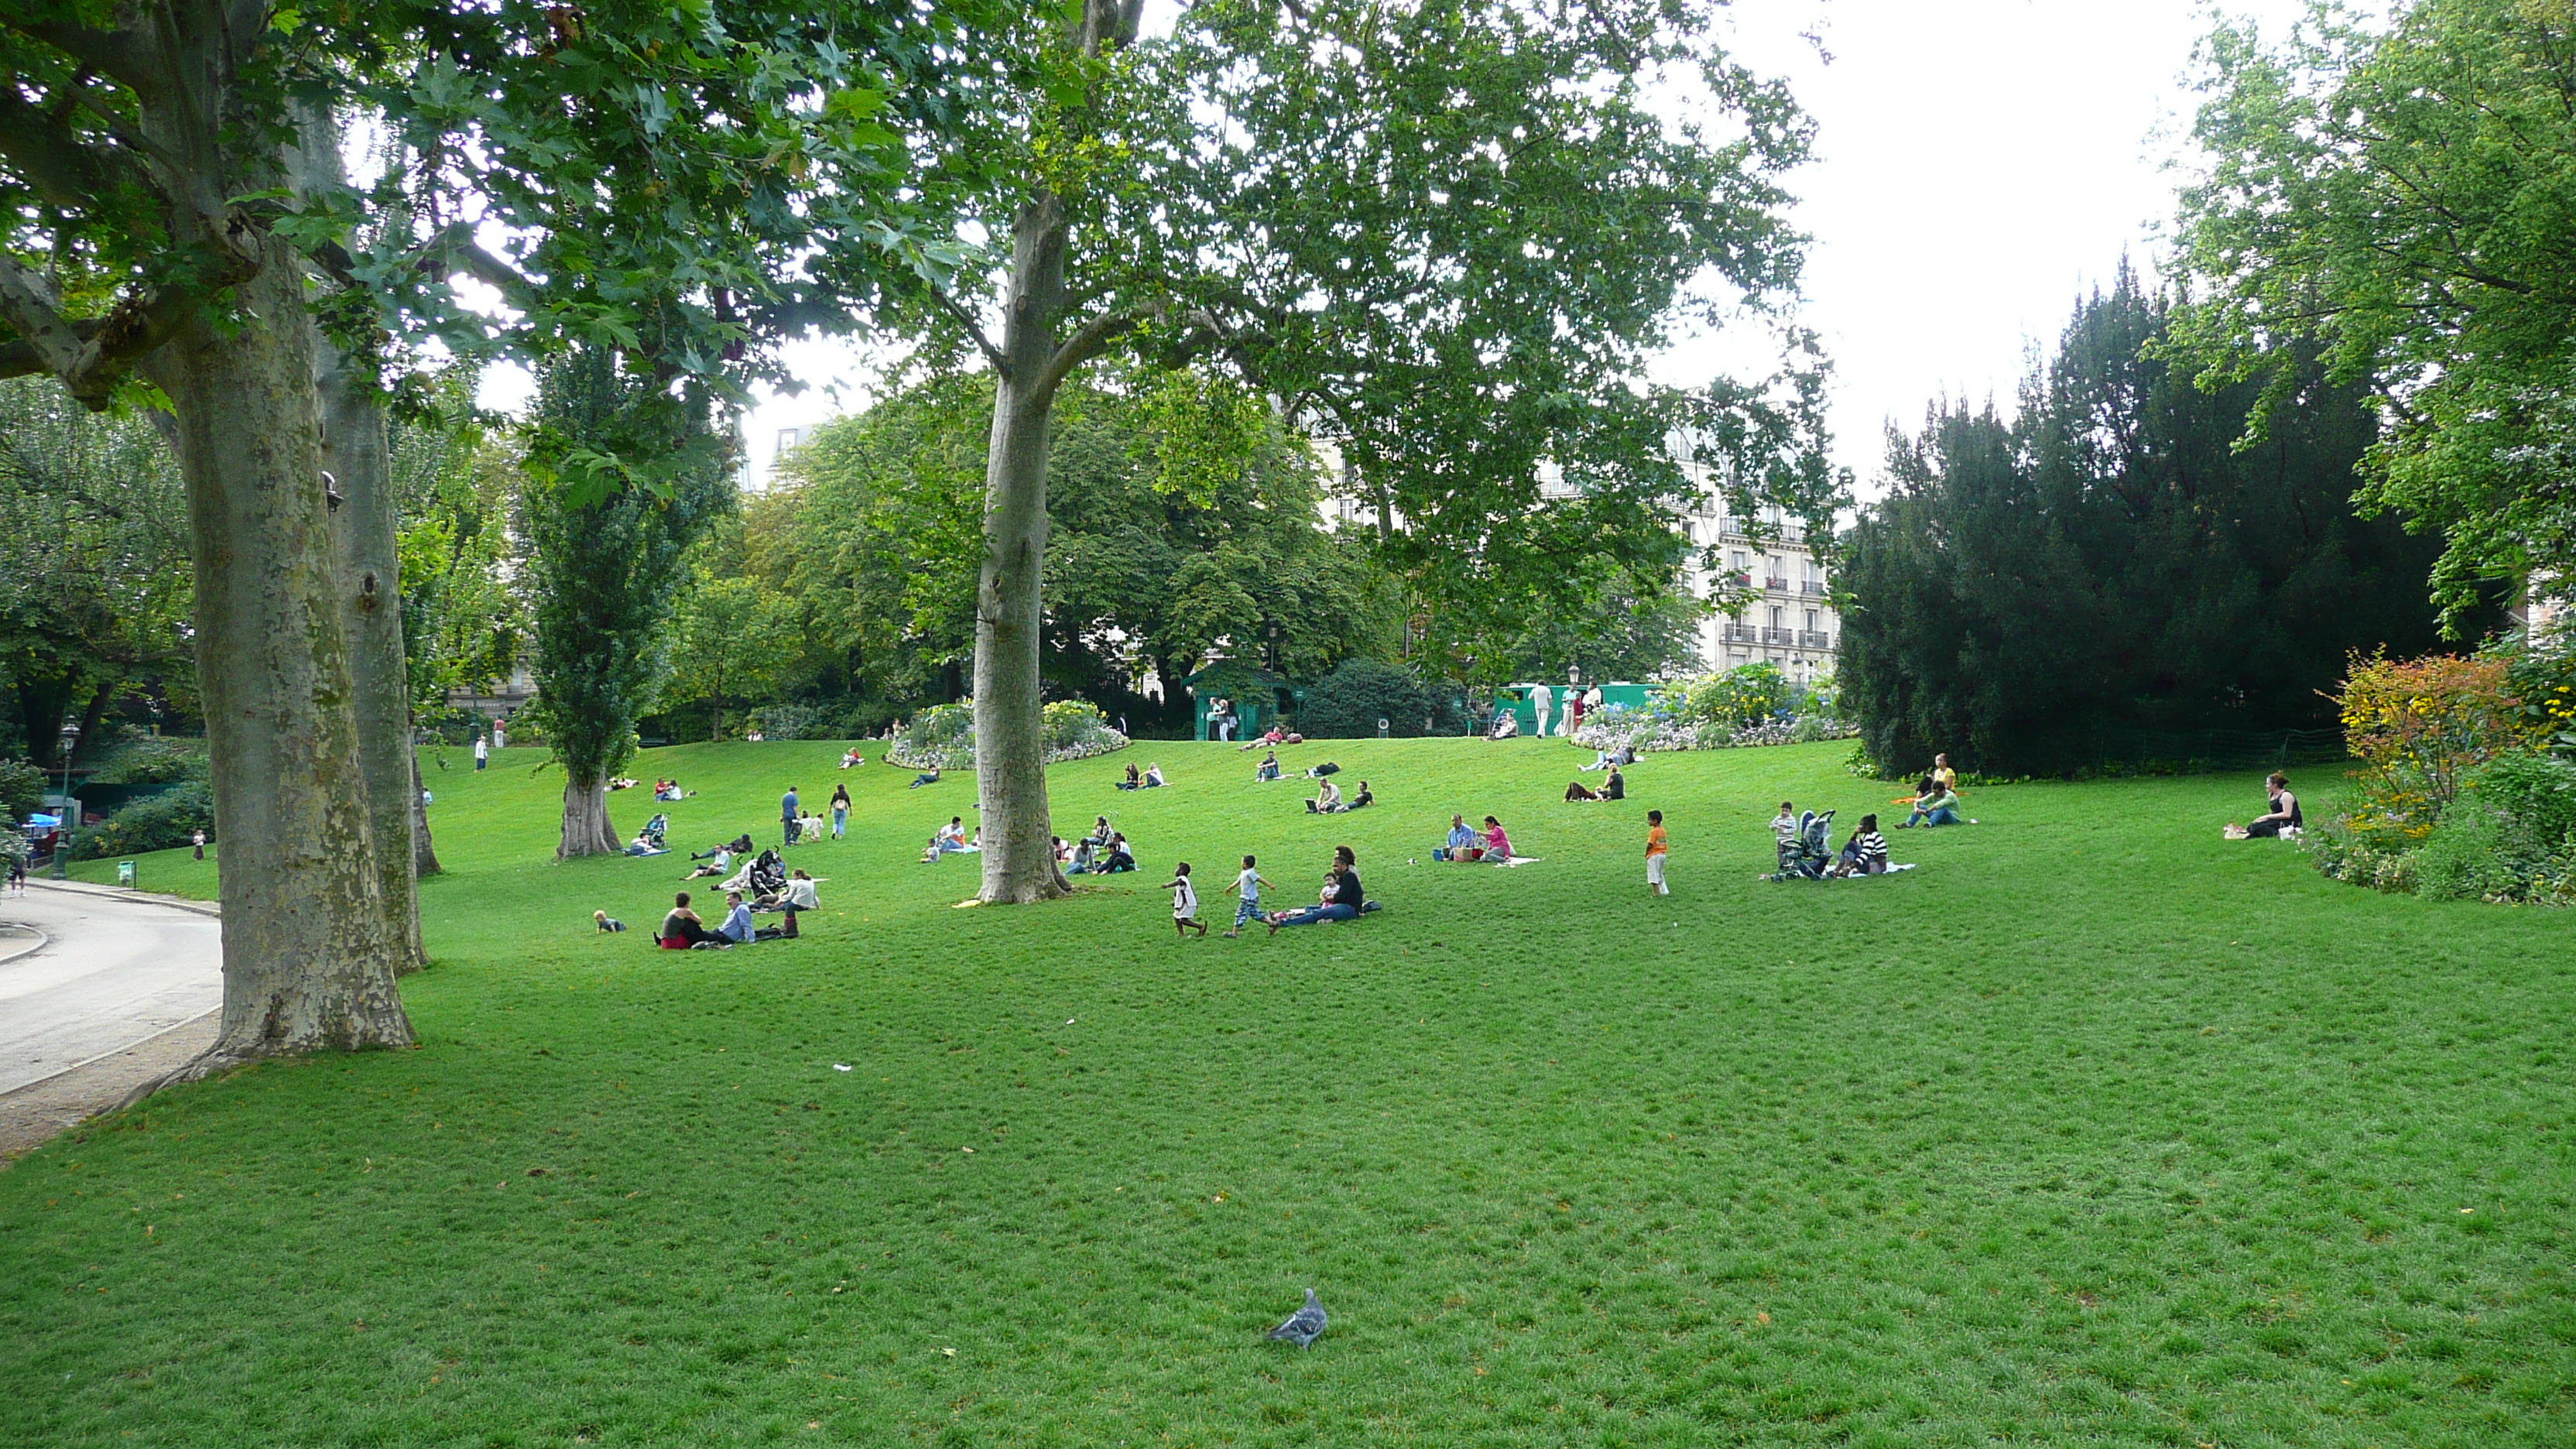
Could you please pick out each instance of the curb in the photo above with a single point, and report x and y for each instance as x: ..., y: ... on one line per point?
x: 119, y: 893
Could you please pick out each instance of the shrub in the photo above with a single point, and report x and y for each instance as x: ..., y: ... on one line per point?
x: 1077, y: 730
x: 1748, y: 694
x: 163, y: 760
x: 161, y: 822
x: 22, y: 788
x: 790, y: 722
x: 1347, y: 703
x: 2418, y: 728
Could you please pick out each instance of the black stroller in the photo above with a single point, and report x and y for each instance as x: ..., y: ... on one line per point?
x: 1803, y: 856
x: 768, y: 877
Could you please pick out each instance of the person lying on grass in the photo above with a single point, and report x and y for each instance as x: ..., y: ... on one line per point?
x: 926, y: 777
x: 1363, y: 798
x: 852, y: 759
x: 1185, y: 901
x: 1341, y: 899
x: 1576, y: 790
x: 735, y: 846
x: 717, y: 863
x: 1272, y: 736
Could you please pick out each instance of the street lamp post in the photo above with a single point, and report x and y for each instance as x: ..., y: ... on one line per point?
x: 70, y: 817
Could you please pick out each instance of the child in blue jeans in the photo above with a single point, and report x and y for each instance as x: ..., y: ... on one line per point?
x: 1248, y: 886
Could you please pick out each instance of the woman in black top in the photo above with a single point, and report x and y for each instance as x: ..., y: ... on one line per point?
x: 1616, y: 787
x: 1342, y: 898
x: 2285, y: 810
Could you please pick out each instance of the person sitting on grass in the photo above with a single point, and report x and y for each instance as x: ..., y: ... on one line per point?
x: 926, y: 777
x: 951, y: 837
x: 716, y: 862
x: 682, y: 930
x: 800, y: 894
x: 1101, y: 834
x: 645, y: 843
x: 1185, y: 901
x: 1134, y: 781
x: 1268, y: 768
x: 1498, y: 846
x: 1865, y: 853
x: 1341, y: 899
x: 1616, y: 787
x: 1577, y: 790
x: 1085, y: 859
x: 1363, y: 798
x: 852, y: 759
x: 737, y: 926
x: 2284, y: 815
x: 1934, y: 804
x: 1507, y: 725
x: 1154, y: 777
x: 1063, y: 852
x: 735, y: 846
x: 1462, y: 843
x: 1327, y: 801
x: 1120, y: 859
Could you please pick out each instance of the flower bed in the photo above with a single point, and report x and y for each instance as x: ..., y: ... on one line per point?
x: 943, y: 736
x: 1648, y: 733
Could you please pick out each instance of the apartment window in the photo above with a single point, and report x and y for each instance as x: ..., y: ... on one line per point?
x: 1775, y: 618
x: 791, y: 437
x: 1811, y: 621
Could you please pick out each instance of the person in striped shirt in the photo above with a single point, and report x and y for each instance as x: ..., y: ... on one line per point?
x: 1865, y: 853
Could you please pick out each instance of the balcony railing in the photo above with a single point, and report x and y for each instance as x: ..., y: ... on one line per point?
x: 1742, y: 634
x: 1776, y: 585
x: 1812, y: 586
x: 1814, y: 639
x: 1785, y: 638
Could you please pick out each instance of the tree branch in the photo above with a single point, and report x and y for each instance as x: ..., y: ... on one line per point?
x: 91, y: 356
x: 68, y: 172
x: 111, y: 52
x: 959, y: 315
x: 28, y: 304
x: 1086, y: 343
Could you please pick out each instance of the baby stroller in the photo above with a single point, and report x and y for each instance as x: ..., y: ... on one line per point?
x: 656, y: 828
x: 1803, y: 856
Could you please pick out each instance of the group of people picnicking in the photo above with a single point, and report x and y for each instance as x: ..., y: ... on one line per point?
x: 1103, y: 852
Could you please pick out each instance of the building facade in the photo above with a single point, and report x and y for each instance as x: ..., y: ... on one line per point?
x: 1790, y: 620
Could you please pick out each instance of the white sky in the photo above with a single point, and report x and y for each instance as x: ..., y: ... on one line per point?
x: 1979, y: 165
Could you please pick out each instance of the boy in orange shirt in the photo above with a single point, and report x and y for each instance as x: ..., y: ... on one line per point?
x: 1655, y: 850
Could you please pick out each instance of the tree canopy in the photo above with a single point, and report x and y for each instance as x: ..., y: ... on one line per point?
x: 2395, y: 198
x: 2035, y: 593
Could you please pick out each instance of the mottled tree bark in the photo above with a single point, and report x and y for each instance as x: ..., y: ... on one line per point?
x: 355, y: 452
x: 309, y: 954
x: 586, y: 830
x: 1010, y: 739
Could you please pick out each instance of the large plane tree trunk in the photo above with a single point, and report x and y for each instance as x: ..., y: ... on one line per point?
x: 1010, y: 739
x: 366, y: 514
x: 309, y: 954
x: 356, y: 453
x: 586, y: 830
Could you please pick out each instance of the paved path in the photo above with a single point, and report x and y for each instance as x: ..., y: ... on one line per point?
x: 115, y: 969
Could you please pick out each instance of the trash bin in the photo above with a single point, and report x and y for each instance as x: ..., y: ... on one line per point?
x: 125, y: 872
x: 1381, y: 729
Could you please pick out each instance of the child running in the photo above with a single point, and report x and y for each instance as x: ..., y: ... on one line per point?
x: 1655, y: 851
x: 1185, y: 902
x: 1247, y: 888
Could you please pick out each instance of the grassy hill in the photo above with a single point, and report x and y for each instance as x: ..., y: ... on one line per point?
x: 2095, y: 1129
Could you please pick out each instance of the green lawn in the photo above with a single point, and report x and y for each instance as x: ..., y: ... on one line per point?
x: 2094, y: 1130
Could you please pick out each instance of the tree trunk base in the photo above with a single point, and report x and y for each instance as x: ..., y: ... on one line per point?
x: 1051, y: 887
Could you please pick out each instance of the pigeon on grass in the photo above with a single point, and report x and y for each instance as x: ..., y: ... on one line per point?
x: 1303, y: 1326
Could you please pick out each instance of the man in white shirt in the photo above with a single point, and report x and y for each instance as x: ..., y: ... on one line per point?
x: 1544, y: 699
x: 482, y: 752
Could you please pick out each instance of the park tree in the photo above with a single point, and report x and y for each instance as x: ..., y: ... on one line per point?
x: 94, y: 593
x: 1447, y: 235
x: 2392, y: 195
x: 603, y: 562
x: 2107, y: 571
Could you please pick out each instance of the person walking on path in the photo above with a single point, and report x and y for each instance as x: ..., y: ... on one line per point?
x: 1543, y: 700
x: 482, y: 752
x: 840, y: 810
x: 1247, y: 887
x: 1656, y: 849
x: 500, y: 734
x: 787, y: 813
